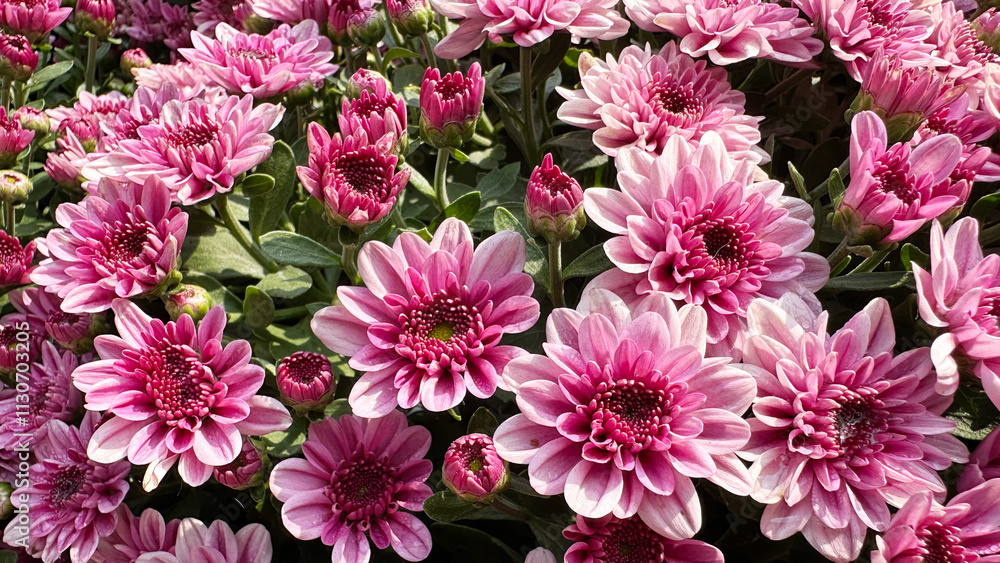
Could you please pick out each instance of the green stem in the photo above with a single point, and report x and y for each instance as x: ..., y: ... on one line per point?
x: 8, y: 217
x: 397, y: 215
x: 92, y: 43
x: 320, y: 284
x: 5, y: 94
x: 429, y: 51
x: 555, y: 274
x: 990, y: 235
x: 350, y: 60
x: 440, y: 171
x: 290, y: 313
x: 820, y: 190
x: 242, y: 236
x: 871, y: 262
x: 378, y: 58
x: 546, y: 126
x: 348, y: 262
x: 839, y: 253
x: 527, y: 115
x: 20, y: 94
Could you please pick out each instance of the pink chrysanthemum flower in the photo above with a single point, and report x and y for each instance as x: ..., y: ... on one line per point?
x: 196, y: 148
x: 155, y: 20
x: 641, y: 100
x: 15, y: 261
x: 263, y: 66
x: 210, y: 13
x: 13, y: 138
x: 984, y: 463
x: 957, y: 45
x: 142, y: 108
x: 693, y: 224
x: 189, y: 80
x: 104, y: 107
x: 971, y: 126
x: 528, y: 21
x: 903, y: 95
x: 64, y: 164
x: 624, y: 410
x: 198, y: 543
x: 427, y: 325
x: 895, y: 189
x: 450, y: 106
x: 987, y: 28
x: 960, y: 296
x: 966, y: 529
x: 69, y: 330
x: 34, y: 19
x: 473, y: 469
x: 358, y: 476
x: 991, y: 92
x: 729, y: 32
x: 613, y: 540
x: 123, y: 240
x: 174, y: 393
x: 292, y: 12
x: 12, y: 347
x: 377, y: 111
x: 841, y: 427
x: 137, y: 536
x: 72, y: 500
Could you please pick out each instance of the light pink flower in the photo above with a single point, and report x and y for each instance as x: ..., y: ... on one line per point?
x: 377, y: 111
x: 358, y: 476
x: 960, y: 296
x: 608, y: 539
x: 427, y: 325
x: 72, y: 500
x: 971, y: 126
x: 624, y: 410
x: 641, y: 100
x: 135, y: 536
x: 34, y: 19
x: 64, y: 164
x: 292, y: 12
x: 15, y: 261
x: 123, y: 240
x: 189, y: 79
x: 693, y: 224
x: 174, y: 393
x: 104, y: 107
x: 196, y: 148
x: 841, y: 427
x: 528, y: 21
x: 962, y: 55
x: 198, y: 543
x: 893, y: 89
x: 210, y: 13
x: 69, y: 330
x: 984, y: 463
x: 966, y: 529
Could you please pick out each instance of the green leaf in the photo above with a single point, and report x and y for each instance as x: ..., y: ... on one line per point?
x: 256, y: 185
x: 446, y: 507
x: 220, y: 294
x: 465, y: 207
x: 869, y: 281
x: 296, y: 250
x: 973, y: 412
x: 287, y: 283
x: 911, y: 255
x: 8, y: 557
x: 459, y: 156
x: 337, y: 409
x: 536, y: 264
x: 593, y: 261
x: 258, y: 309
x: 216, y: 253
x: 520, y: 484
x: 483, y: 422
x: 48, y: 73
x: 396, y: 53
x: 836, y: 187
x: 266, y: 210
x: 420, y: 183
x: 499, y: 181
x: 985, y: 204
x: 504, y: 220
x: 547, y: 63
x: 798, y: 181
x: 287, y: 443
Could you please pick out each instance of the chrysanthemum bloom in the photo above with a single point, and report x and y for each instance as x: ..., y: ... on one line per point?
x: 14, y: 187
x: 155, y: 20
x: 410, y: 17
x: 984, y: 463
x: 71, y: 331
x: 12, y: 348
x: 957, y: 45
x: 95, y: 16
x: 729, y: 32
x: 378, y: 112
x: 895, y: 189
x: 15, y: 261
x: 540, y: 555
x: 612, y: 540
x: 34, y: 19
x: 450, y: 106
x: 693, y: 224
x: 86, y: 128
x: 305, y: 381
x: 123, y: 240
x: 528, y: 21
x: 134, y: 58
x: 63, y: 165
x: 427, y: 325
x: 13, y: 139
x: 244, y: 472
x: 358, y: 476
x: 17, y: 58
x: 104, y: 107
x: 971, y: 126
x: 340, y: 15
x: 263, y: 66
x: 33, y: 119
x: 473, y: 469
x: 965, y: 529
x: 355, y: 180
x: 841, y: 426
x: 196, y: 148
x: 136, y: 536
x: 553, y: 203
x: 292, y: 12
x: 189, y: 80
x: 960, y: 296
x: 198, y: 543
x: 208, y: 14
x: 143, y: 108
x: 175, y: 393
x: 641, y: 100
x: 624, y: 410
x: 72, y: 500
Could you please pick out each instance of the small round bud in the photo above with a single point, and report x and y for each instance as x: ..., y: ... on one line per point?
x: 76, y: 332
x: 14, y: 187
x: 33, y: 119
x: 244, y: 472
x: 473, y: 469
x: 366, y: 26
x: 301, y: 95
x: 553, y: 204
x: 96, y: 17
x: 189, y: 300
x: 450, y: 106
x: 135, y: 58
x: 364, y: 80
x: 305, y: 381
x: 86, y: 128
x: 259, y: 25
x: 17, y: 59
x: 411, y: 17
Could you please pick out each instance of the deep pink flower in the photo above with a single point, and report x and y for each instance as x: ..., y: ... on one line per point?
x: 971, y: 126
x: 244, y: 472
x: 613, y: 540
x: 450, y: 106
x: 69, y: 330
x: 64, y: 164
x: 528, y: 21
x: 902, y: 95
x: 123, y: 240
x: 143, y: 108
x: 624, y: 410
x: 17, y: 58
x: 729, y: 32
x: 961, y: 54
x: 473, y: 469
x: 174, y: 393
x: 966, y: 529
x: 156, y: 20
x: 984, y: 463
x: 15, y: 261
x: 210, y: 13
x: 104, y: 107
x: 198, y: 543
x: 72, y: 500
x: 136, y: 536
x: 427, y: 325
x: 553, y: 203
x: 34, y: 19
x: 960, y: 296
x: 991, y: 92
x: 358, y: 476
x: 692, y: 223
x: 292, y: 12
x: 641, y: 100
x: 841, y: 427
x: 95, y: 16
x: 305, y: 381
x: 197, y: 148
x: 377, y: 111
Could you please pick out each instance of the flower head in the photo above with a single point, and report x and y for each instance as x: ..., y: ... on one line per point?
x: 450, y: 106
x: 365, y: 25
x: 189, y: 79
x: 473, y: 470
x: 34, y: 19
x: 842, y: 427
x: 63, y: 165
x: 292, y: 12
x: 540, y: 555
x: 95, y: 16
x: 15, y: 261
x: 133, y: 537
x: 135, y: 58
x: 17, y: 58
x: 358, y: 476
x: 33, y: 119
x: 553, y: 203
x: 198, y: 543
x: 208, y: 14
x: 410, y: 17
x: 377, y: 111
x: 156, y: 20
x: 984, y: 463
x: 365, y: 80
x: 305, y: 381
x: 13, y: 139
x: 427, y: 325
x: 69, y: 330
x: 190, y: 300
x: 244, y: 472
x: 103, y: 107
x: 613, y: 540
x: 958, y: 46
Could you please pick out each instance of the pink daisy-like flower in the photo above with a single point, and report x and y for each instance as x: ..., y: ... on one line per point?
x: 641, y: 100
x: 34, y: 19
x: 292, y: 12
x: 12, y: 343
x: 174, y: 393
x: 377, y: 111
x: 189, y: 79
x: 960, y: 296
x: 104, y: 107
x: 69, y: 330
x: 142, y: 108
x: 693, y: 224
x: 613, y: 540
x: 971, y: 126
x: 198, y: 543
x: 210, y: 13
x: 965, y: 529
x: 901, y: 93
x: 984, y: 463
x: 197, y: 148
x: 134, y: 537
x: 729, y: 32
x: 72, y: 500
x: 13, y: 138
x: 123, y: 240
x: 427, y: 325
x: 841, y: 427
x: 957, y: 45
x: 15, y: 261
x: 263, y: 66
x: 358, y: 476
x: 64, y: 164
x: 528, y: 21
x: 624, y: 410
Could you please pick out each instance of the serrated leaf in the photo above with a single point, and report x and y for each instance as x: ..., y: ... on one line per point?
x: 266, y: 210
x: 256, y: 185
x: 869, y: 281
x: 593, y: 261
x: 293, y: 249
x: 483, y: 422
x: 287, y: 283
x: 258, y: 309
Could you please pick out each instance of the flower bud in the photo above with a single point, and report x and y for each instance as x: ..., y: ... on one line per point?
x: 473, y: 469
x: 411, y: 17
x: 189, y: 300
x: 135, y: 58
x: 450, y: 106
x: 244, y: 472
x: 540, y: 555
x: 554, y: 204
x: 33, y: 119
x: 301, y: 94
x: 366, y: 26
x: 76, y: 332
x: 365, y: 80
x: 305, y: 381
x: 987, y: 29
x: 17, y: 59
x: 14, y: 187
x: 96, y: 17
x: 86, y: 128
x: 6, y: 507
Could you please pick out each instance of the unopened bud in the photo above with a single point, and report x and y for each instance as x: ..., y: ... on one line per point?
x: 305, y: 381
x: 189, y: 300
x: 473, y: 469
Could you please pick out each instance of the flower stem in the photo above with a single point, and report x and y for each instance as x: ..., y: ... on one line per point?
x: 348, y: 261
x: 92, y: 43
x: 350, y: 60
x: 507, y: 507
x: 839, y: 253
x: 5, y: 94
x: 291, y: 313
x: 440, y: 171
x: 527, y: 113
x: 429, y: 51
x: 8, y: 218
x: 241, y: 235
x: 20, y: 94
x: 378, y: 58
x: 871, y: 262
x: 555, y: 274
x: 820, y: 190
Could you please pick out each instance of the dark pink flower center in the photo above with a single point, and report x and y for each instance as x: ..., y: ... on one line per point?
x: 257, y: 53
x: 66, y: 483
x: 892, y: 174
x: 181, y: 387
x: 675, y: 101
x: 303, y: 367
x: 41, y: 390
x: 452, y: 86
x: 196, y: 134
x: 8, y: 337
x: 553, y: 181
x: 366, y: 173
x: 11, y: 252
x: 472, y: 456
x: 362, y: 489
x: 856, y: 429
x: 368, y: 104
x: 125, y: 242
x: 629, y: 413
x: 628, y: 541
x: 439, y: 324
x: 882, y: 16
x: 60, y: 317
x: 940, y: 544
